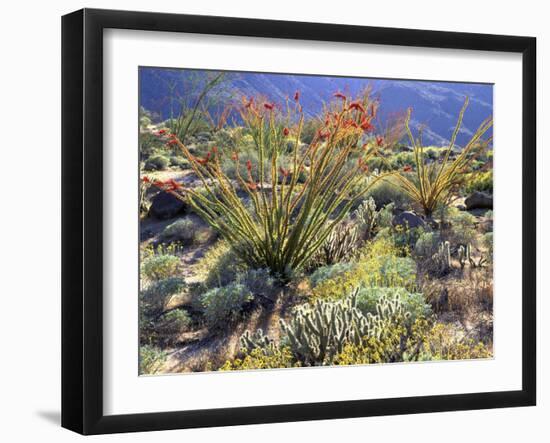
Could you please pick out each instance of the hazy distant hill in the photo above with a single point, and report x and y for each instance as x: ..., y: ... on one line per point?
x: 435, y: 104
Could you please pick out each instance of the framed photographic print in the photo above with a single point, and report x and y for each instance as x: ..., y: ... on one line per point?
x: 273, y: 221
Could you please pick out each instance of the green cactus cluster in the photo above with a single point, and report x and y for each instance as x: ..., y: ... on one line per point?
x: 319, y: 332
x: 442, y: 258
x: 338, y: 246
x: 366, y: 218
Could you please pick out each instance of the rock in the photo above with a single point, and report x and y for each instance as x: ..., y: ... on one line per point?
x: 461, y: 207
x: 409, y: 219
x: 165, y: 206
x: 479, y: 200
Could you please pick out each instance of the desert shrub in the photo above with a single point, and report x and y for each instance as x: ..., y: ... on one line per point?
x: 151, y: 359
x: 159, y: 267
x: 183, y: 231
x: 258, y: 281
x: 222, y: 305
x: 326, y: 272
x: 444, y: 342
x: 402, y: 159
x: 413, y: 302
x: 462, y: 231
x: 155, y: 297
x: 387, y: 191
x: 256, y: 359
x: 431, y: 184
x: 171, y: 324
x: 481, y: 181
x: 157, y: 162
x: 379, y: 264
x: 179, y: 162
x: 219, y: 265
x: 427, y: 244
x: 385, y: 216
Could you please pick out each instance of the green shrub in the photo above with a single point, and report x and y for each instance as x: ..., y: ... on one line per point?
x: 378, y: 265
x: 462, y: 230
x: 326, y: 272
x: 427, y: 244
x: 481, y: 181
x: 159, y: 267
x: 151, y: 359
x: 224, y: 304
x: 387, y: 191
x: 157, y: 162
x: 256, y: 359
x: 183, y: 231
x: 258, y: 281
x: 385, y: 216
x: 179, y: 162
x: 413, y: 302
x: 220, y: 265
x: 156, y: 296
x: 171, y: 324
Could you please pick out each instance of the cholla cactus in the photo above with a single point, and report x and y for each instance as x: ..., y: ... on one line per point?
x: 366, y: 217
x: 318, y: 333
x: 257, y: 340
x: 465, y: 256
x: 442, y: 258
x: 338, y: 246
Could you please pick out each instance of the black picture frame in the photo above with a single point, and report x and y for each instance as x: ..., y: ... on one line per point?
x: 82, y: 218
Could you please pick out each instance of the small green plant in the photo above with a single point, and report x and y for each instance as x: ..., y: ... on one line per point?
x: 220, y: 265
x: 222, y: 305
x: 156, y: 296
x: 151, y: 359
x: 183, y: 231
x: 479, y: 181
x: 432, y: 183
x: 159, y: 267
x: 171, y: 324
x: 157, y: 162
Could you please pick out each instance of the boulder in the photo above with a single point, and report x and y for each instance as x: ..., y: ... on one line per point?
x: 165, y: 205
x: 479, y: 200
x: 408, y: 218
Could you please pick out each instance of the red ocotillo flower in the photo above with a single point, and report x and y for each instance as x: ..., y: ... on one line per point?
x: 234, y: 156
x: 366, y: 125
x: 249, y: 103
x: 379, y: 140
x: 146, y: 180
x: 205, y: 160
x: 269, y: 106
x: 214, y: 150
x: 407, y: 168
x: 158, y: 184
x: 173, y: 185
x: 286, y: 132
x: 284, y: 172
x: 297, y: 96
x: 323, y: 134
x: 172, y: 142
x: 252, y: 186
x: 357, y: 106
x: 339, y: 95
x: 161, y: 132
x: 363, y: 165
x: 248, y: 165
